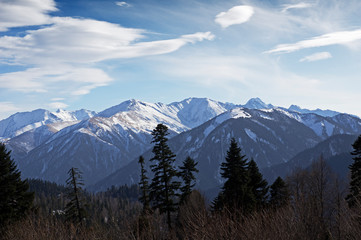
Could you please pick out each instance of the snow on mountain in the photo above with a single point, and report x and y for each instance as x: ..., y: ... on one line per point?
x: 324, y: 113
x: 326, y: 126
x: 20, y: 123
x: 193, y: 112
x: 257, y: 103
x: 46, y: 144
x: 114, y: 137
x: 270, y: 137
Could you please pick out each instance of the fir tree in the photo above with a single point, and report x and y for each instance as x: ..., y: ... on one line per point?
x: 354, y: 197
x: 15, y: 200
x: 74, y: 210
x: 236, y: 192
x: 163, y: 189
x: 187, y: 174
x: 258, y: 185
x: 144, y: 186
x: 280, y: 195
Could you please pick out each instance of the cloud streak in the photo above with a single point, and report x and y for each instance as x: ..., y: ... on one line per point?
x: 300, y: 5
x: 235, y: 15
x: 122, y: 4
x: 335, y: 38
x: 20, y: 13
x: 71, y: 40
x: 316, y: 57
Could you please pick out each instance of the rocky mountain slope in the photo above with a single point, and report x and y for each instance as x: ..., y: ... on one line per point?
x: 46, y: 144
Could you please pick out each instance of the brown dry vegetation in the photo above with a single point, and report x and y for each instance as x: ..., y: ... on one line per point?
x: 317, y: 210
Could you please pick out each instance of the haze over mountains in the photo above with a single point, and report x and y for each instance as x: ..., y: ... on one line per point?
x: 105, y: 146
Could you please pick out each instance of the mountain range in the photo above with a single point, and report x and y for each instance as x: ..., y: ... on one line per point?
x: 105, y: 145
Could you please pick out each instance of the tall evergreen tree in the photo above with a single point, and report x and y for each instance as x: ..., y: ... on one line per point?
x: 163, y: 189
x: 258, y: 184
x: 74, y: 210
x: 280, y: 195
x: 354, y: 197
x: 15, y: 199
x: 144, y: 186
x: 236, y: 192
x: 187, y: 174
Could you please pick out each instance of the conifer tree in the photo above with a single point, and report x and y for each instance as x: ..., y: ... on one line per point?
x: 280, y: 195
x: 163, y: 189
x: 187, y: 174
x: 354, y: 197
x: 74, y: 210
x: 236, y: 192
x: 15, y: 199
x: 144, y: 186
x: 258, y: 184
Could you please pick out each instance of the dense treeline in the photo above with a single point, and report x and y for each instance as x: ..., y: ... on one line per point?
x: 311, y: 203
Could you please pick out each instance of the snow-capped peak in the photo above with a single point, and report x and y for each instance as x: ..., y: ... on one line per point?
x: 257, y: 103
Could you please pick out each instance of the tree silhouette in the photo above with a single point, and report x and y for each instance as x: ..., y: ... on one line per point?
x: 258, y: 184
x: 280, y: 195
x: 187, y: 174
x: 236, y: 192
x: 144, y: 186
x: 354, y: 197
x: 15, y: 200
x: 163, y: 189
x: 74, y: 210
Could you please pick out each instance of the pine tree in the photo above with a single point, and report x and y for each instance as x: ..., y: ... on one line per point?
x: 144, y: 187
x: 354, y: 197
x: 258, y: 185
x: 15, y: 199
x: 163, y: 189
x: 74, y: 210
x: 236, y: 192
x: 187, y: 174
x: 280, y: 195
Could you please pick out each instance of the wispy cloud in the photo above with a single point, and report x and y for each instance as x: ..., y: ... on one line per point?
x: 334, y: 38
x: 19, y: 13
x: 62, y: 52
x: 64, y: 78
x: 57, y: 105
x: 316, y: 57
x: 122, y: 4
x: 71, y: 40
x: 235, y: 15
x: 300, y: 5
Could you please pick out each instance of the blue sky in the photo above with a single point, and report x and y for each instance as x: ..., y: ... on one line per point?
x: 94, y: 54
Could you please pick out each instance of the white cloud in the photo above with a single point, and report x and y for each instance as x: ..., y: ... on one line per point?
x: 19, y: 13
x: 63, y: 52
x: 334, y: 38
x: 71, y: 40
x: 235, y: 15
x: 58, y: 105
x: 316, y: 57
x: 122, y: 4
x: 300, y: 5
x: 63, y: 78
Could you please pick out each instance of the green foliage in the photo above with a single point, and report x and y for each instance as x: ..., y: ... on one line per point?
x: 236, y: 192
x: 258, y: 184
x: 74, y: 210
x: 280, y: 195
x: 144, y: 186
x: 15, y: 199
x: 163, y: 189
x: 187, y: 174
